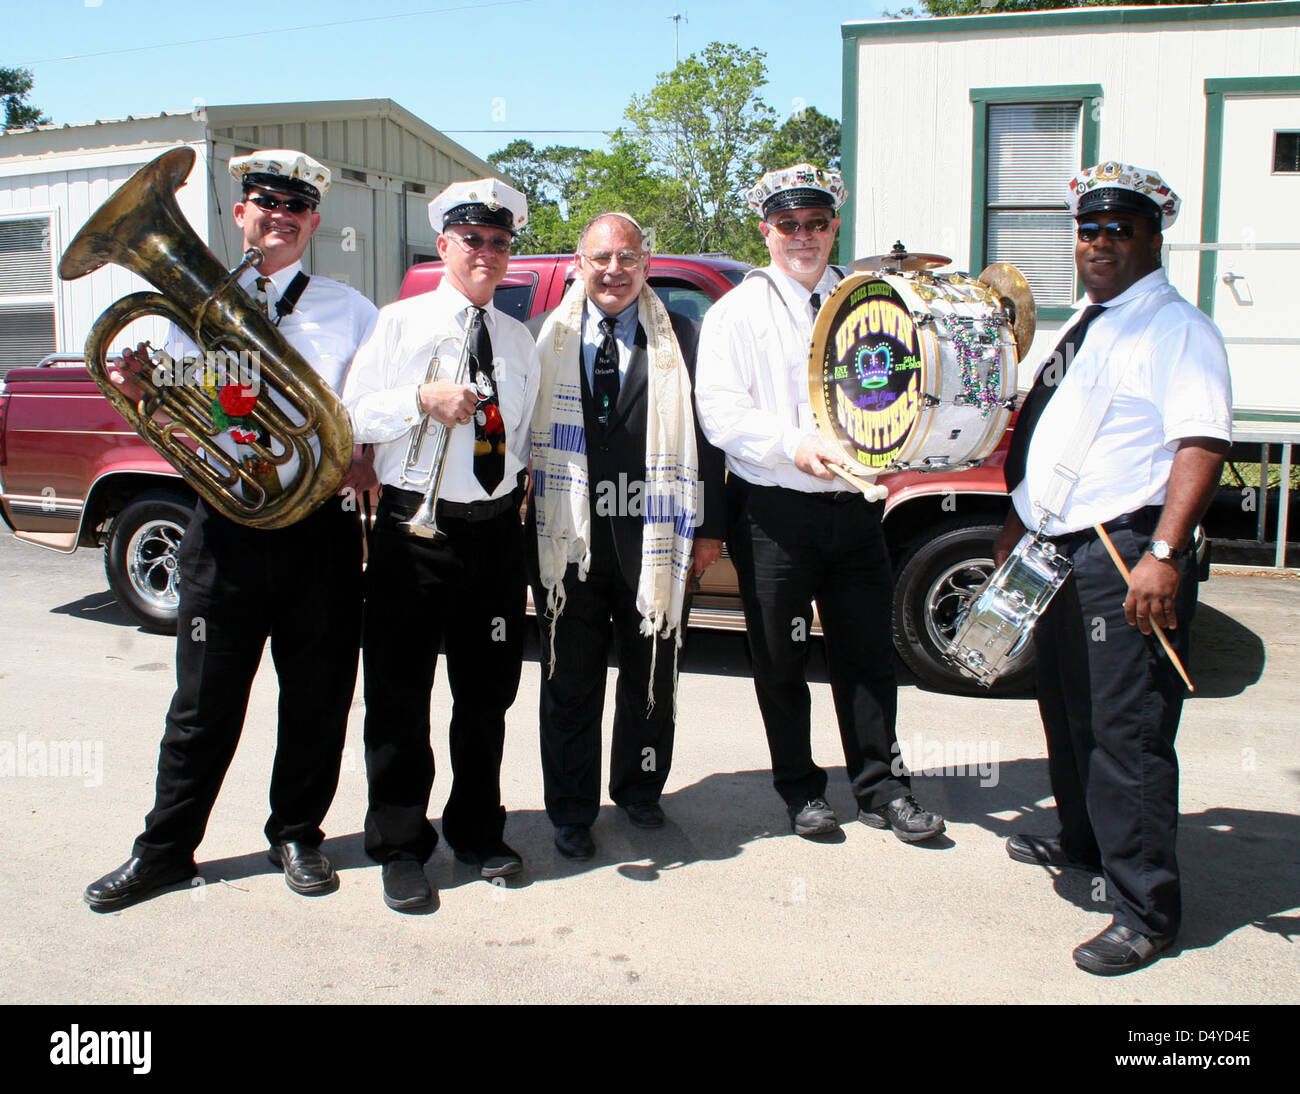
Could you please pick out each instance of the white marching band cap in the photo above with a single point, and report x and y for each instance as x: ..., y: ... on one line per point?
x: 282, y: 169
x: 1123, y: 188
x: 482, y: 201
x: 802, y: 186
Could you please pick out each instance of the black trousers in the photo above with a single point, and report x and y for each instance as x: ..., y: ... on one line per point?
x: 301, y: 587
x: 464, y: 594
x: 596, y: 611
x: 791, y: 548
x: 1110, y: 702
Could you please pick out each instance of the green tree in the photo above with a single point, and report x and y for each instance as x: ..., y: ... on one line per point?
x: 15, y: 85
x: 806, y: 136
x: 696, y: 143
x: 546, y: 178
x: 702, y: 126
x: 623, y: 180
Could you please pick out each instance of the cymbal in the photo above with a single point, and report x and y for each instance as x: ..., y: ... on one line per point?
x: 900, y: 263
x: 1018, y: 300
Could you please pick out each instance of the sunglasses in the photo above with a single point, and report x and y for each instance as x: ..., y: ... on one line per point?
x: 289, y: 205
x: 626, y: 260
x: 474, y: 242
x: 1118, y: 230
x: 791, y: 227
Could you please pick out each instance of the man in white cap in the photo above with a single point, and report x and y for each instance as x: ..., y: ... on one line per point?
x: 300, y: 585
x: 464, y: 591
x: 627, y: 506
x: 1146, y: 375
x: 797, y: 533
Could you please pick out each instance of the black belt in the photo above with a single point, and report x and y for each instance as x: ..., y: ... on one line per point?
x: 824, y: 497
x: 1144, y: 520
x: 472, y: 511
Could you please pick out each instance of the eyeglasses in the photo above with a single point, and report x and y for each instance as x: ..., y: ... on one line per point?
x: 626, y: 260
x: 474, y: 242
x: 791, y: 227
x: 1118, y: 230
x: 289, y: 205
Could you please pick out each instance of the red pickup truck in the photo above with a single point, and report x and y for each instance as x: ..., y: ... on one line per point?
x: 73, y: 474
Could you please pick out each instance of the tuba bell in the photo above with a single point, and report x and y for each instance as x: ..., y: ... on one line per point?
x: 300, y: 423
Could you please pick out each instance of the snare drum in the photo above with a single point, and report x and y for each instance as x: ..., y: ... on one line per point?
x: 995, y: 625
x: 913, y: 372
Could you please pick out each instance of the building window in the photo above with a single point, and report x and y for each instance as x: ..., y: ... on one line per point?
x: 26, y: 292
x: 1286, y: 153
x: 1028, y: 143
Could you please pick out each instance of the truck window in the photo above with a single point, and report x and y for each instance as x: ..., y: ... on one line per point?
x: 682, y: 298
x: 514, y: 296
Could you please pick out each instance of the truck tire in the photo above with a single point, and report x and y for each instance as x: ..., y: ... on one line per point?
x: 938, y: 574
x: 141, y: 558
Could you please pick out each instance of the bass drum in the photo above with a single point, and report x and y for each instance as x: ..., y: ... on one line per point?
x: 913, y: 372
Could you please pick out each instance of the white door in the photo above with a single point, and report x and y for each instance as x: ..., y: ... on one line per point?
x: 1256, y: 291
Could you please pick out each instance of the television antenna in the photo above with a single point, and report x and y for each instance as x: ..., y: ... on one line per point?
x: 678, y: 19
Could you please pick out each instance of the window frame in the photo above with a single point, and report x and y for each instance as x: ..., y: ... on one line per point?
x: 1088, y: 96
x: 49, y: 298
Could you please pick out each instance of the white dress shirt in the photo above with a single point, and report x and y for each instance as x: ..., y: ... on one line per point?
x: 382, y: 387
x: 751, y: 378
x: 328, y: 323
x: 1173, y: 384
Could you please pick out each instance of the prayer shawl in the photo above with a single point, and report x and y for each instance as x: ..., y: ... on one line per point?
x: 561, y: 491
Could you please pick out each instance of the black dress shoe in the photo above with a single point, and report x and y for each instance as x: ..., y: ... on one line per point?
x: 574, y: 841
x: 505, y: 861
x: 644, y: 814
x: 1045, y: 851
x: 815, y: 819
x: 133, y: 881
x: 1118, y: 950
x: 406, y: 889
x: 904, y: 815
x: 306, y: 870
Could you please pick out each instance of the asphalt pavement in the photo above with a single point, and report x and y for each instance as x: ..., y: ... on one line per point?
x: 721, y: 906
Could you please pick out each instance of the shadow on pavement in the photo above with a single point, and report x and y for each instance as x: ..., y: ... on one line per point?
x: 1240, y: 867
x: 1227, y: 658
x: 98, y: 608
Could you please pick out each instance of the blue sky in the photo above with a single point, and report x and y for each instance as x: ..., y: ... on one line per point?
x: 501, y: 67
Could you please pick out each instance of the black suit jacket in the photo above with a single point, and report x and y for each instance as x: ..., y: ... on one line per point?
x: 619, y: 450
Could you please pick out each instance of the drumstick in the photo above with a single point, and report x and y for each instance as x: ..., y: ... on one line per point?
x: 1128, y: 580
x: 872, y: 491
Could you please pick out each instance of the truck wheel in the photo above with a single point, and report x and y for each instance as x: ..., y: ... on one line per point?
x: 140, y: 559
x: 937, y: 576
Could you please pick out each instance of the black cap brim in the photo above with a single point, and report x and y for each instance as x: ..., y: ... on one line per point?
x: 1116, y: 199
x: 281, y: 184
x: 800, y: 197
x: 478, y: 213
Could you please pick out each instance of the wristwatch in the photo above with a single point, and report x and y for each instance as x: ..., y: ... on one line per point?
x: 1162, y: 552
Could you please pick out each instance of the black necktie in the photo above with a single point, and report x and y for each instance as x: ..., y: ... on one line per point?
x: 489, y: 431
x: 604, y: 375
x: 815, y: 303
x: 1049, y: 379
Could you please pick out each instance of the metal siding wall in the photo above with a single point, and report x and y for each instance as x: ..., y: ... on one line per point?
x: 914, y: 129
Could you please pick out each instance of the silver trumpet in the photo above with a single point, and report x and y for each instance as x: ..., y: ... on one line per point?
x: 422, y: 523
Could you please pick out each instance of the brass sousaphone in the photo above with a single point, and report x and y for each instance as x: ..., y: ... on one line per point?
x: 142, y: 229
